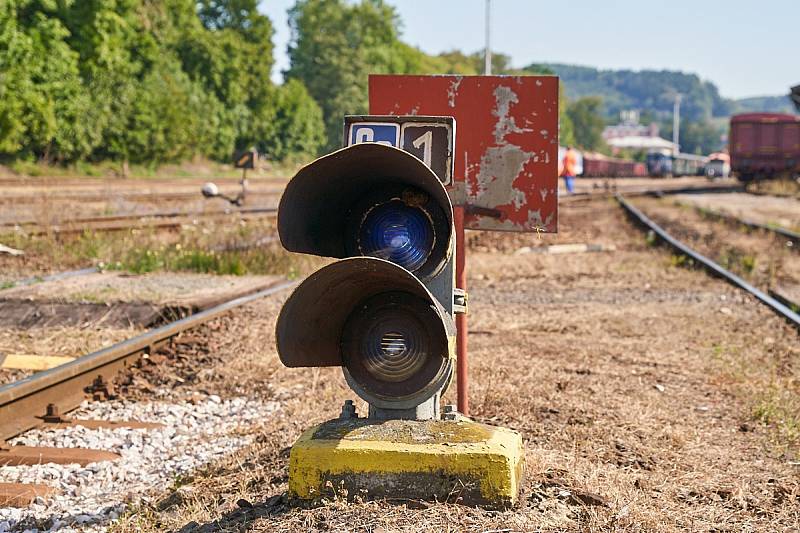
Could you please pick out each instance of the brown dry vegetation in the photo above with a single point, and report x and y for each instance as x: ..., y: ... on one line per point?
x: 649, y: 396
x: 761, y: 257
x: 782, y: 187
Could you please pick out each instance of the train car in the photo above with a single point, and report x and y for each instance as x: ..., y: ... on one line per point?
x: 596, y: 165
x: 764, y: 145
x: 665, y: 165
x: 602, y: 166
x: 659, y: 164
x: 689, y: 165
x: 718, y: 166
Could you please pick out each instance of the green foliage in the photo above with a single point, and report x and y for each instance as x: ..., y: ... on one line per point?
x: 297, y: 123
x: 697, y: 137
x: 587, y: 122
x: 145, y: 82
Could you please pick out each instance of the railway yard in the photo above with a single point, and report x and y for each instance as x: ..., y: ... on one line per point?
x: 650, y: 394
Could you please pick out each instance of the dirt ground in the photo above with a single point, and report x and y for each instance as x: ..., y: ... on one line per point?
x: 650, y: 397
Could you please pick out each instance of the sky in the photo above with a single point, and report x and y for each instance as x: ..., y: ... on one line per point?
x: 744, y: 46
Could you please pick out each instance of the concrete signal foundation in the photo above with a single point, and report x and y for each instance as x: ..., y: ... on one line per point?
x: 454, y: 461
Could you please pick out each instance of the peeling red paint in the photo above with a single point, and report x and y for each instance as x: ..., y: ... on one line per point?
x: 506, y: 141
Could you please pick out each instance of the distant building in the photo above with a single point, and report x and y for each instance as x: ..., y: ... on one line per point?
x: 629, y: 134
x: 641, y: 142
x: 629, y: 127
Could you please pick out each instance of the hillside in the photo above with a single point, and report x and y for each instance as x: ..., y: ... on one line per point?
x: 654, y: 90
x: 775, y: 104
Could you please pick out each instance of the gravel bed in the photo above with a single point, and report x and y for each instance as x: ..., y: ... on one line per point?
x: 93, y: 496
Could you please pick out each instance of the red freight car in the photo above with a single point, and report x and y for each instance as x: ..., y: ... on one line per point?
x: 764, y: 145
x: 601, y: 166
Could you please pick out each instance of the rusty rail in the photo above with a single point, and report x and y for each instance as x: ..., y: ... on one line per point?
x: 129, y: 195
x: 715, y: 269
x: 663, y: 191
x: 123, y: 222
x: 24, y: 403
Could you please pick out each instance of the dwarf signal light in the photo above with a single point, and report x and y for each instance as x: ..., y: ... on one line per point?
x: 384, y: 313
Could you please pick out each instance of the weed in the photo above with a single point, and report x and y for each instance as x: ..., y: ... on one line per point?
x: 748, y: 263
x: 678, y: 260
x: 779, y: 408
x: 737, y: 261
x: 651, y: 239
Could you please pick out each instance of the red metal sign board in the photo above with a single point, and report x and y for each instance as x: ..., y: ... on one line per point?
x: 506, y: 152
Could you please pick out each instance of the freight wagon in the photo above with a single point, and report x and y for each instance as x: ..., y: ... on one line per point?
x: 764, y: 145
x: 601, y: 166
x: 660, y: 164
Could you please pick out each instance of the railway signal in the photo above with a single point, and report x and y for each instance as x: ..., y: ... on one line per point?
x: 244, y: 159
x: 384, y: 313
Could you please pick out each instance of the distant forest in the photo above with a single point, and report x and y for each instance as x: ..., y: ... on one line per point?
x: 654, y: 90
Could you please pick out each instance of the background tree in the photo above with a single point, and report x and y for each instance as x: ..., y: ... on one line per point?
x: 146, y: 82
x: 587, y: 123
x: 699, y: 136
x: 335, y: 45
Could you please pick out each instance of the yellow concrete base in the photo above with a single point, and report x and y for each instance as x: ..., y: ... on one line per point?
x: 456, y: 461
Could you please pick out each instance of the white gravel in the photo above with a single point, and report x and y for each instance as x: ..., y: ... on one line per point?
x: 93, y: 496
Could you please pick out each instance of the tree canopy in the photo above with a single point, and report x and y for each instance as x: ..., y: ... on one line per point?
x: 145, y: 82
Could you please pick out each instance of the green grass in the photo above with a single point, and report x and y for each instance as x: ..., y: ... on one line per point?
x: 737, y: 261
x: 212, y: 248
x: 680, y: 260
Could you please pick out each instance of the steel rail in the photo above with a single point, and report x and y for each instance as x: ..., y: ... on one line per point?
x: 130, y: 195
x: 121, y: 223
x: 142, y: 216
x: 715, y: 269
x: 51, y: 277
x: 24, y: 402
x: 586, y: 196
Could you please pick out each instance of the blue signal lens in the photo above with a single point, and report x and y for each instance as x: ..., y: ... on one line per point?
x: 398, y: 233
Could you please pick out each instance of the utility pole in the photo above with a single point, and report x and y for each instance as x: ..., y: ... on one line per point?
x: 676, y: 124
x: 488, y: 54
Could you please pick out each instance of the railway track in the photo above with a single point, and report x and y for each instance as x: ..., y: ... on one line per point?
x: 130, y: 196
x: 162, y: 220
x: 635, y: 191
x: 45, y: 397
x: 782, y: 306
x: 791, y: 236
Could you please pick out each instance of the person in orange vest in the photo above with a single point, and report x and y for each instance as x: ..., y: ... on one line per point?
x: 570, y: 169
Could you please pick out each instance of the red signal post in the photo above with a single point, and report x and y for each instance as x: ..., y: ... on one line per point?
x: 506, y: 157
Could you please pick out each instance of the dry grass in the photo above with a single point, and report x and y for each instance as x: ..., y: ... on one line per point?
x: 760, y: 257
x: 63, y: 341
x: 781, y: 187
x: 227, y: 246
x: 610, y: 366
